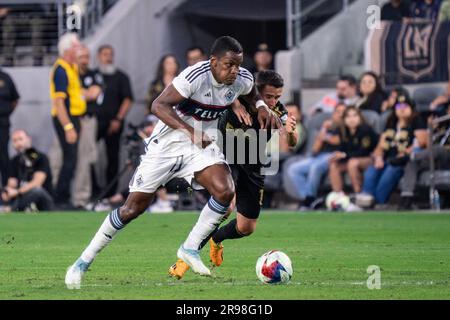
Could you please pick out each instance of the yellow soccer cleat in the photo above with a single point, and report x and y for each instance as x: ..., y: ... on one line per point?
x: 215, y: 253
x: 178, y: 269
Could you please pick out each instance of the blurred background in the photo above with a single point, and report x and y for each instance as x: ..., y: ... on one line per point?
x: 322, y: 48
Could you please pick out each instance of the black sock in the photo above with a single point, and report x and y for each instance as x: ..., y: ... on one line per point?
x: 308, y: 201
x: 228, y: 231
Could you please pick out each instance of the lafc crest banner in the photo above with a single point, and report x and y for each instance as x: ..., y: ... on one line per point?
x: 407, y: 53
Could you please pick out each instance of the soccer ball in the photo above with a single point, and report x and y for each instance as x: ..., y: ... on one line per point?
x: 274, y: 267
x: 337, y: 201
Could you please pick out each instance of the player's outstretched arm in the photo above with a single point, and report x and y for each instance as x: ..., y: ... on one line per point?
x: 162, y: 107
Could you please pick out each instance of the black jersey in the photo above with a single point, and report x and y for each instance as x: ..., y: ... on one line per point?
x: 90, y: 78
x: 360, y: 144
x: 249, y: 141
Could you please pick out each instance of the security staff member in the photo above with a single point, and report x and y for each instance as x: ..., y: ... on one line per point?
x: 9, y: 98
x: 68, y: 105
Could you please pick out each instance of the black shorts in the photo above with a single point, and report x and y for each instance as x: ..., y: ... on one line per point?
x: 249, y: 191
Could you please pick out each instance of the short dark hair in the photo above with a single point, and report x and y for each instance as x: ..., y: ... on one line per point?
x: 225, y: 44
x: 269, y: 78
x: 349, y: 78
x: 103, y: 47
x: 193, y: 48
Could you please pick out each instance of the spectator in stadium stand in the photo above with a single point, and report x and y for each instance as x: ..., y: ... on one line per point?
x: 357, y: 142
x: 30, y: 182
x: 262, y: 59
x: 9, y: 98
x: 395, y: 10
x: 371, y: 92
x: 421, y: 161
x: 444, y: 12
x: 346, y: 92
x: 117, y: 101
x: 404, y: 135
x: 294, y: 110
x: 92, y: 83
x: 194, y: 55
x: 427, y: 10
x: 168, y: 69
x: 389, y: 103
x: 306, y: 174
x: 440, y: 104
x: 68, y: 105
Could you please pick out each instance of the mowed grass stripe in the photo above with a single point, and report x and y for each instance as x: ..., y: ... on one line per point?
x: 330, y: 254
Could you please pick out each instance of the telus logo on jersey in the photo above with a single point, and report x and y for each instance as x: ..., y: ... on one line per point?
x: 200, y: 111
x: 207, y: 114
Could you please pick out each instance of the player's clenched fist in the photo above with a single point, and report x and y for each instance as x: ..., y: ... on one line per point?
x: 291, y: 124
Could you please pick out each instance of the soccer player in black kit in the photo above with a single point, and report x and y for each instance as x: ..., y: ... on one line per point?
x: 247, y: 175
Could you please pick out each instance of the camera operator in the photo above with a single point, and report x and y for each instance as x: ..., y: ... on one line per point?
x: 30, y: 179
x: 135, y: 149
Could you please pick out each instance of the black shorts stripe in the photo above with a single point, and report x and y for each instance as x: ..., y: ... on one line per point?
x: 157, y: 135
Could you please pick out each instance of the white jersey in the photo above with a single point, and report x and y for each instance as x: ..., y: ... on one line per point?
x: 206, y: 100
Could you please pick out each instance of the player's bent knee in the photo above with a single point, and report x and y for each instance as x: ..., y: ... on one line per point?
x: 246, y: 230
x: 130, y: 212
x: 224, y: 194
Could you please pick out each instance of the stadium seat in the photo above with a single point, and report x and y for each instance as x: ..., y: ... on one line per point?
x: 442, y: 179
x: 313, y: 125
x: 288, y: 186
x: 424, y: 96
x: 383, y: 120
x: 373, y: 119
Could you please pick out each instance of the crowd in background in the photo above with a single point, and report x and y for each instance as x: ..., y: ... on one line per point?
x: 424, y: 10
x: 89, y: 105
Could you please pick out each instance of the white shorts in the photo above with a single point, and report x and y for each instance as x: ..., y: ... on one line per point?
x: 156, y: 170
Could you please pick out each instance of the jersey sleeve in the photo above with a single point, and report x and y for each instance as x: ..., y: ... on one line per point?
x: 60, y: 82
x: 184, y: 83
x: 247, y: 81
x: 42, y: 165
x: 126, y: 91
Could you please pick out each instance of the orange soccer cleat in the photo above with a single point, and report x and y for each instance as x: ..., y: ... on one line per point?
x: 215, y: 253
x: 178, y: 269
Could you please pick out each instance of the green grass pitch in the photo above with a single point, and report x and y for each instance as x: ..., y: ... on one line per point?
x: 330, y: 254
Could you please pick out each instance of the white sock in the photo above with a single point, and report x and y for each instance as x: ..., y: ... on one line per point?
x: 210, y: 217
x: 105, y: 234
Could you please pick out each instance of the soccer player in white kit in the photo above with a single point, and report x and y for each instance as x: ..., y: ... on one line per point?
x: 182, y: 146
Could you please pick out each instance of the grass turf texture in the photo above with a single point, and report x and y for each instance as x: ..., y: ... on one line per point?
x: 330, y: 254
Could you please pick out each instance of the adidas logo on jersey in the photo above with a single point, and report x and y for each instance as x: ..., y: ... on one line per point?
x: 208, y: 94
